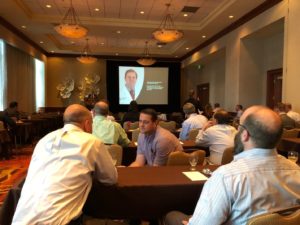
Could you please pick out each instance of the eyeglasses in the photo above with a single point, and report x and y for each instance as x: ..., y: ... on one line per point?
x: 244, y: 127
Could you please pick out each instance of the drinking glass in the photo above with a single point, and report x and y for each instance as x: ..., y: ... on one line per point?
x: 293, y: 156
x: 193, y: 159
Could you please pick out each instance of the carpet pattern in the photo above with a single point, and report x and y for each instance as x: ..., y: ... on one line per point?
x: 11, y: 171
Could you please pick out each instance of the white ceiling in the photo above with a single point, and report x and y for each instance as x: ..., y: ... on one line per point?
x: 124, y: 16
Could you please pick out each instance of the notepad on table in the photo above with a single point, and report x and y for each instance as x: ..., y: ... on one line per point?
x: 195, y: 176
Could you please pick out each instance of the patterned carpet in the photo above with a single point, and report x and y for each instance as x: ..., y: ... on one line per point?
x: 11, y: 171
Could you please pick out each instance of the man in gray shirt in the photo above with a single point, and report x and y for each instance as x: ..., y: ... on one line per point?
x: 154, y: 143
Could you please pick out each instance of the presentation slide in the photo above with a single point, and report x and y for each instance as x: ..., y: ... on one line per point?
x: 146, y: 85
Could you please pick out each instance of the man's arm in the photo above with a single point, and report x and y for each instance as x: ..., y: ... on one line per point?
x: 214, y: 205
x: 184, y: 131
x: 105, y: 171
x: 123, y: 139
x: 139, y: 161
x: 203, y: 137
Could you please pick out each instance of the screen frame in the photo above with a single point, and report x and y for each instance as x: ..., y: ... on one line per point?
x: 112, y: 82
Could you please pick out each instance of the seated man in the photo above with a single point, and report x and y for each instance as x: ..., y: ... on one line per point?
x: 154, y: 143
x: 287, y: 122
x: 294, y: 115
x: 239, y: 111
x: 108, y: 131
x: 59, y: 177
x: 12, y: 111
x: 193, y: 121
x: 217, y: 135
x: 258, y: 181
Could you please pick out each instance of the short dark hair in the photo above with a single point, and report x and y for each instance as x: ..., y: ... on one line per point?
x: 133, y: 106
x: 150, y: 112
x: 280, y: 106
x: 217, y: 105
x: 222, y: 117
x: 263, y: 136
x: 130, y: 71
x: 239, y: 106
x: 13, y: 104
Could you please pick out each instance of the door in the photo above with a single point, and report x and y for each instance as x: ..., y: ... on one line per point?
x: 203, y: 93
x: 274, y: 87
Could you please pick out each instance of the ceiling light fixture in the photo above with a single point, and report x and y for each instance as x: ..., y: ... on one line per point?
x: 167, y: 32
x: 97, y: 9
x: 85, y: 57
x: 231, y: 17
x: 142, y: 12
x: 146, y: 60
x: 185, y: 15
x: 70, y: 26
x: 48, y: 6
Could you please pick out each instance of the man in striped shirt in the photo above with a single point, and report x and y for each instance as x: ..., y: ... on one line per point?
x: 258, y: 181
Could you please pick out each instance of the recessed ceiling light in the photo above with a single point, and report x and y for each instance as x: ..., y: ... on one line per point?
x: 176, y: 56
x: 117, y: 53
x: 142, y: 12
x: 231, y: 17
x: 118, y: 32
x: 52, y: 51
x: 24, y: 27
x: 102, y: 43
x: 97, y: 9
x: 203, y: 36
x: 48, y: 6
x: 41, y: 42
x: 160, y: 46
x: 72, y: 42
x: 187, y: 48
x: 185, y: 15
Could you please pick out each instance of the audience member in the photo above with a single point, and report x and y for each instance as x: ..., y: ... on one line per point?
x: 292, y: 114
x: 194, y: 101
x: 239, y: 111
x: 217, y: 135
x: 258, y: 181
x: 287, y: 122
x: 217, y: 107
x: 12, y: 111
x: 59, y: 177
x: 154, y: 143
x: 108, y: 131
x: 193, y: 121
x: 208, y: 111
x: 133, y: 114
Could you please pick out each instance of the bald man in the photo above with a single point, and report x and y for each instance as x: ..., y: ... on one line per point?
x: 256, y: 182
x: 59, y: 177
x: 108, y: 131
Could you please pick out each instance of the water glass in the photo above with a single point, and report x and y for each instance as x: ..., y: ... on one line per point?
x: 293, y: 156
x: 193, y: 159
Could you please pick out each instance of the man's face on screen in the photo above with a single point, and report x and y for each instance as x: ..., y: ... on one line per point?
x: 146, y: 125
x: 130, y: 80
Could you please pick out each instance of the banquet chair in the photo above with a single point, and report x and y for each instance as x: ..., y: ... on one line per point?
x: 130, y: 125
x: 293, y: 133
x: 182, y: 158
x: 193, y: 134
x: 227, y: 156
x: 170, y: 125
x: 284, y: 217
x: 135, y: 135
x: 116, y: 152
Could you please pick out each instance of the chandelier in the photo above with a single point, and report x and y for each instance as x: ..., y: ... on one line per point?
x: 70, y: 25
x: 85, y: 57
x: 146, y: 60
x: 167, y: 32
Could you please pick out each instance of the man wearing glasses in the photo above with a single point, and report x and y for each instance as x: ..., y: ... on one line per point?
x: 258, y: 180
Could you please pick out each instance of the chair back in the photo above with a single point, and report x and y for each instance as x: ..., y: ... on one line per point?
x: 135, y: 135
x: 227, y: 156
x: 292, y: 133
x: 287, y: 217
x: 193, y: 134
x: 130, y: 125
x: 182, y: 158
x: 116, y: 152
x: 170, y: 125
